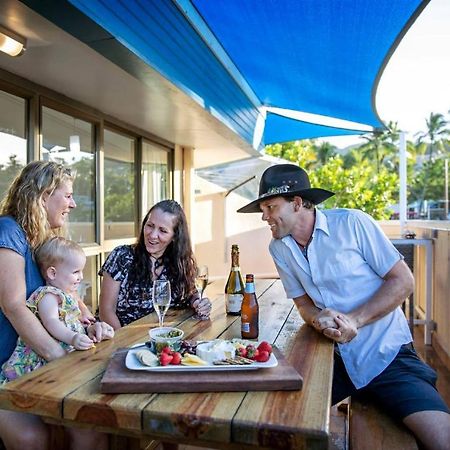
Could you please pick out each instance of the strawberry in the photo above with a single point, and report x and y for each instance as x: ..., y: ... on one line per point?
x: 265, y: 346
x: 241, y: 351
x: 167, y: 350
x: 252, y: 351
x: 262, y: 356
x: 165, y: 359
x: 176, y: 358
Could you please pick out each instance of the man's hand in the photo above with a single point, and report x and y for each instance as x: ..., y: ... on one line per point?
x: 335, y: 325
x: 325, y: 319
x: 345, y: 332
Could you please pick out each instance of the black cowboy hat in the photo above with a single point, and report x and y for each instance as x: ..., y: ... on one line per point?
x: 285, y: 180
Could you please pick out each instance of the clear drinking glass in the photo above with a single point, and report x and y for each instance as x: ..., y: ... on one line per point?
x: 161, y: 298
x: 201, y: 281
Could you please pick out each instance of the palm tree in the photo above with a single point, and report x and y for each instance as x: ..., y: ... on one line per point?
x: 381, y: 145
x: 325, y: 151
x: 434, y: 140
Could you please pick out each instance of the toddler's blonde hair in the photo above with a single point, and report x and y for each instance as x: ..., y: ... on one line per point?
x: 54, y: 251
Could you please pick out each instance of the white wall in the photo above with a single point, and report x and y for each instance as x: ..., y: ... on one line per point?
x: 217, y: 225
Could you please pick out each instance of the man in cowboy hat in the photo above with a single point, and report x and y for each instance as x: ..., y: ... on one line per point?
x: 348, y: 281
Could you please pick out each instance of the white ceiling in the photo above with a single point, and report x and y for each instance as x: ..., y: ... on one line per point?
x: 58, y: 61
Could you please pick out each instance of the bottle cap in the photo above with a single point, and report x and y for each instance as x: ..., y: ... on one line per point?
x: 249, y: 278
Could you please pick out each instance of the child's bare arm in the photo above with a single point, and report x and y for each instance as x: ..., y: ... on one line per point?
x: 48, y: 312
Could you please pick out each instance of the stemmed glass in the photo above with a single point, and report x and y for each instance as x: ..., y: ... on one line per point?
x: 161, y: 298
x: 201, y: 279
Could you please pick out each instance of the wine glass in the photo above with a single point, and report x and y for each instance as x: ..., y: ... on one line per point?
x: 161, y: 298
x: 201, y: 279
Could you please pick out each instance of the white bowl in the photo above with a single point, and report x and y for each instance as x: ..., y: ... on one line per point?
x: 161, y: 337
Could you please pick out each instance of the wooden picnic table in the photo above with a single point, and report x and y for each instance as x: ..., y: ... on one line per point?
x: 67, y: 391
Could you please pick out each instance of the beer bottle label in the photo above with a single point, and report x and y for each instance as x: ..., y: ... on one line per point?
x: 245, y: 327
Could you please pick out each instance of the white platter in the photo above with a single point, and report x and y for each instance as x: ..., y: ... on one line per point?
x: 132, y: 363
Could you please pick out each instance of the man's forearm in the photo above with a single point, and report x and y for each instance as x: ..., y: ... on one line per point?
x: 306, y: 308
x: 397, y: 286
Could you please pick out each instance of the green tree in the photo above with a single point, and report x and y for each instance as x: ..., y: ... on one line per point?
x: 360, y: 185
x: 303, y: 153
x: 381, y: 146
x: 8, y: 172
x: 433, y: 142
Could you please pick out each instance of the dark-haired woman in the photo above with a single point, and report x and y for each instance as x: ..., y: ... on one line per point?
x: 163, y: 252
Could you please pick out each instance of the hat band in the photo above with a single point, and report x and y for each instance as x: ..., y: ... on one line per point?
x: 277, y: 190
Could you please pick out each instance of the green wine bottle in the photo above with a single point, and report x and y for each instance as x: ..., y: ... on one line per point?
x: 235, y: 287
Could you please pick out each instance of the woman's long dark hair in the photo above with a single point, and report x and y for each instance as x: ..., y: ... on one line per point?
x: 178, y: 257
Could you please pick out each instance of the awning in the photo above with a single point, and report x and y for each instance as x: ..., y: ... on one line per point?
x: 236, y: 57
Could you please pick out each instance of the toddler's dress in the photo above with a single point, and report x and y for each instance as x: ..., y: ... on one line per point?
x: 23, y: 359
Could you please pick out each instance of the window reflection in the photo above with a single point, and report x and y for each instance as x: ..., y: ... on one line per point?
x: 69, y: 141
x: 155, y: 175
x: 13, y: 144
x: 119, y: 186
x: 87, y: 289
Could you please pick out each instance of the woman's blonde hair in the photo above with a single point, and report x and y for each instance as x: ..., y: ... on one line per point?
x: 54, y: 251
x: 23, y: 200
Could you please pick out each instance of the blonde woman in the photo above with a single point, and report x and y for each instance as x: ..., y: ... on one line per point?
x: 34, y: 209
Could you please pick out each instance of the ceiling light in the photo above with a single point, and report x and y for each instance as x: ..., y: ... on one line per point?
x: 11, y: 43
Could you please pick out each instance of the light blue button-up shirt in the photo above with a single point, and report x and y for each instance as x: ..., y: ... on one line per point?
x: 348, y: 257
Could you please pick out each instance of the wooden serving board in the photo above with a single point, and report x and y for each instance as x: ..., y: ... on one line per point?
x: 119, y: 380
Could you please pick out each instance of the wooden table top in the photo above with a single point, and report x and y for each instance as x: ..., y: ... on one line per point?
x: 68, y: 390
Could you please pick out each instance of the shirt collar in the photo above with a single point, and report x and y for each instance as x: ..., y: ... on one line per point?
x: 321, y: 222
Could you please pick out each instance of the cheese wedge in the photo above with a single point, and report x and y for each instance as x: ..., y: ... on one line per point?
x: 192, y: 360
x: 147, y: 358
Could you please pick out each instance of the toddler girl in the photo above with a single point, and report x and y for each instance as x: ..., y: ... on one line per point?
x: 61, y: 263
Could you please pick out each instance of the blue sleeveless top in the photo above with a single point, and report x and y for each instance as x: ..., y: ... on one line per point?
x: 13, y: 238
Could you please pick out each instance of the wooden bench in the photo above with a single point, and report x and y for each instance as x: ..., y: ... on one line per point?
x: 370, y: 428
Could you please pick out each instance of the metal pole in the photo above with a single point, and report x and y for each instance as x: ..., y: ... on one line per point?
x: 403, y: 181
x: 446, y: 189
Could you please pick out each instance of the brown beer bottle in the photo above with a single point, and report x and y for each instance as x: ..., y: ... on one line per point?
x: 250, y: 310
x: 234, y: 289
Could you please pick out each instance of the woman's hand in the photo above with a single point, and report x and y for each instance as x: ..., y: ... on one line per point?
x: 86, y: 317
x: 81, y: 342
x: 202, y: 307
x: 100, y: 331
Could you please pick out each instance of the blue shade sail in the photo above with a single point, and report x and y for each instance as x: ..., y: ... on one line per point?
x: 321, y: 57
x: 284, y: 129
x: 316, y: 56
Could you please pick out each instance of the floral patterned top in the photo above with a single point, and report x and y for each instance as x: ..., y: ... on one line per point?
x: 135, y: 298
x: 24, y: 359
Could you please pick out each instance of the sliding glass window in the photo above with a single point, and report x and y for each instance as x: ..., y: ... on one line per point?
x: 119, y: 185
x: 156, y: 184
x: 13, y: 143
x: 70, y: 141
